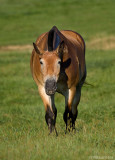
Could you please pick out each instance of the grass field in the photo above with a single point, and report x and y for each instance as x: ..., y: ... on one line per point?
x: 23, y: 131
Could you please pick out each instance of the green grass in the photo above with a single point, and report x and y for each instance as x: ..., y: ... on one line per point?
x: 22, y: 21
x: 23, y: 130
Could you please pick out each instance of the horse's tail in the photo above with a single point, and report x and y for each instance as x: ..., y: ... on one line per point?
x: 89, y: 84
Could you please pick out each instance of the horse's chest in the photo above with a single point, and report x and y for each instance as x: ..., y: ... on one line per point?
x: 62, y: 84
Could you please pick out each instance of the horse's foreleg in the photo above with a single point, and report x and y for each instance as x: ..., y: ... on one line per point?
x: 72, y: 100
x: 51, y: 111
x: 68, y: 116
x: 76, y: 101
x: 50, y: 117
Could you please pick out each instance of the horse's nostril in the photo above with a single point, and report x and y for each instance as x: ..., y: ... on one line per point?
x: 50, y: 83
x: 50, y: 86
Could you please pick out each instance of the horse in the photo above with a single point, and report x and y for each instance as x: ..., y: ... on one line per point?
x: 58, y: 65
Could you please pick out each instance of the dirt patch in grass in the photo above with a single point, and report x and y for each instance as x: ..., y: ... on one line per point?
x: 16, y: 48
x: 99, y: 43
x: 103, y: 43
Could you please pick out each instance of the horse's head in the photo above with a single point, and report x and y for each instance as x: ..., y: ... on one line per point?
x: 50, y: 63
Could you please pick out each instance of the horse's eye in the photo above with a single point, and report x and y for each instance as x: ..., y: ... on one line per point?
x: 59, y: 62
x: 41, y: 62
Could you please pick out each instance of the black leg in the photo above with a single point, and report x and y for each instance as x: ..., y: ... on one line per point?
x: 51, y: 119
x: 74, y: 119
x: 69, y: 119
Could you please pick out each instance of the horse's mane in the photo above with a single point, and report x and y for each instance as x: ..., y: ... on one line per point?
x: 53, y: 39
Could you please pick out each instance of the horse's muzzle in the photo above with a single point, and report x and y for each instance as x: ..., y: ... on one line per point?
x: 50, y: 86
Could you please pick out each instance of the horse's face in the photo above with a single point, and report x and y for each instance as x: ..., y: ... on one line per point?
x: 50, y: 64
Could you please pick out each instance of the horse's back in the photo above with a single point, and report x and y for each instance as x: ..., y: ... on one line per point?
x: 74, y: 37
x: 69, y: 34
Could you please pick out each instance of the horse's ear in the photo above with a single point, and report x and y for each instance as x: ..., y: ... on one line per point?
x: 62, y: 49
x: 37, y: 49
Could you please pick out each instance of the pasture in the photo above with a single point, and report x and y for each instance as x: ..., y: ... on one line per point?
x: 23, y: 130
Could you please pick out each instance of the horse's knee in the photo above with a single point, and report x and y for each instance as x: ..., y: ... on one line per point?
x: 50, y: 118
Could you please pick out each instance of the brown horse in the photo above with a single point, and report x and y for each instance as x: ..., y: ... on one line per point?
x: 58, y: 65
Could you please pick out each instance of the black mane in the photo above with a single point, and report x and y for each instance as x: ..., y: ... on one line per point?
x: 53, y: 39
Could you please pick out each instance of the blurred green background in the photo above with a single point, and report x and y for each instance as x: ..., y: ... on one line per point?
x: 22, y: 21
x: 23, y: 130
